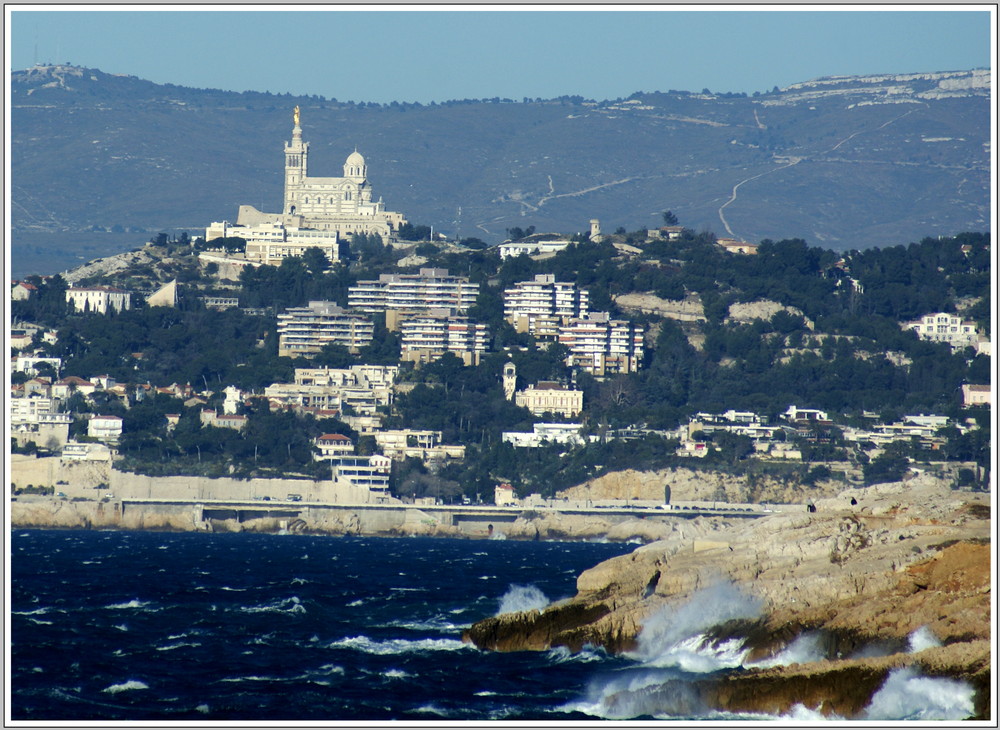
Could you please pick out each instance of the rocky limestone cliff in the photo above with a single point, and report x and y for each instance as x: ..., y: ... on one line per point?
x: 867, y: 568
x: 697, y: 485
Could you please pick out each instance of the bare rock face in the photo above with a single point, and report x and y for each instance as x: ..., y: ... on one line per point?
x: 901, y: 557
x: 696, y: 485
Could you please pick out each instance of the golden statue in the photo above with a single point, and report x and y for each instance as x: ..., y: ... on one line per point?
x: 295, y: 115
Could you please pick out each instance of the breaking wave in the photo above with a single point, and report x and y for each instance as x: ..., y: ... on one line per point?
x: 907, y: 695
x: 922, y: 638
x: 126, y: 686
x: 522, y: 598
x: 399, y: 646
x: 288, y: 605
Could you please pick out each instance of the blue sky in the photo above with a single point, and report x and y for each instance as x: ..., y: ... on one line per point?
x: 439, y: 53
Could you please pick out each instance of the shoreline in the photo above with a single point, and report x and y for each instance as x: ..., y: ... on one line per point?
x: 638, y: 526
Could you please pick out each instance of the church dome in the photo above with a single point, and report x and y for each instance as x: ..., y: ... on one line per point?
x: 355, y: 167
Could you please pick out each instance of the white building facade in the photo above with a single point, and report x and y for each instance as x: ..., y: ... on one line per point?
x: 542, y: 299
x: 304, y: 331
x: 944, y: 327
x: 427, y: 336
x: 430, y: 289
x: 99, y: 299
x: 601, y: 345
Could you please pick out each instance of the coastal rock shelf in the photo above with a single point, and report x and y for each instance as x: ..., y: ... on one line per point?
x: 862, y: 573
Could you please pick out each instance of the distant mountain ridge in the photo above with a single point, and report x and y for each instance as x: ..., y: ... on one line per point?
x: 843, y: 162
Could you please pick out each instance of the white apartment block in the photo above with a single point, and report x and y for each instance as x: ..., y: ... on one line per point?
x: 424, y: 445
x: 426, y: 337
x: 943, y: 327
x: 430, y: 289
x: 548, y: 397
x: 36, y: 419
x: 364, y: 471
x: 303, y: 331
x: 99, y: 299
x: 543, y: 298
x: 601, y: 345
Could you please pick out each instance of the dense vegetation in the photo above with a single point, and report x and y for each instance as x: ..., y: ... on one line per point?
x: 845, y: 353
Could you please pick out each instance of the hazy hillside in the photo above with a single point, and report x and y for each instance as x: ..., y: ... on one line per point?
x: 845, y: 163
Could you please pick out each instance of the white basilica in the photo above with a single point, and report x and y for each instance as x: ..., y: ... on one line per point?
x: 317, y: 211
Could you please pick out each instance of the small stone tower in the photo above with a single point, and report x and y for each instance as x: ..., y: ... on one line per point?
x: 595, y: 230
x: 509, y: 380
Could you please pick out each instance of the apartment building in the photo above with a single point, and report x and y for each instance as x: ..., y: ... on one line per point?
x: 601, y: 345
x: 430, y: 289
x: 364, y: 471
x: 426, y: 337
x: 303, y: 331
x: 539, y: 304
x: 36, y: 418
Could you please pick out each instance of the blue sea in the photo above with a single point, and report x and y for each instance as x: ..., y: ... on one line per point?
x: 179, y: 627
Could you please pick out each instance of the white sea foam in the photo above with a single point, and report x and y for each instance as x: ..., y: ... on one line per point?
x: 562, y: 655
x: 438, y: 624
x: 396, y: 674
x: 126, y: 686
x: 287, y: 605
x: 398, y: 646
x: 178, y: 645
x: 671, y: 629
x: 907, y: 695
x: 358, y: 602
x: 672, y: 646
x: 804, y: 649
x: 134, y: 603
x: 201, y: 708
x: 522, y: 598
x: 922, y: 638
x: 35, y: 612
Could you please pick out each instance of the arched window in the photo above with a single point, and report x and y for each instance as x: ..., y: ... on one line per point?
x: 347, y: 195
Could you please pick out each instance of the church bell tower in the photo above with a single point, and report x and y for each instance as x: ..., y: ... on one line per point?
x: 296, y: 165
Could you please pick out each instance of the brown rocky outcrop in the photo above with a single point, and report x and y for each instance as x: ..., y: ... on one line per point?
x: 866, y: 569
x: 697, y: 485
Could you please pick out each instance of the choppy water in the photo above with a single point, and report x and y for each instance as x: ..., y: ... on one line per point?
x: 161, y: 626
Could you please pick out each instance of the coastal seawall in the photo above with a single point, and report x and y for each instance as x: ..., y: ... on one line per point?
x: 389, y: 520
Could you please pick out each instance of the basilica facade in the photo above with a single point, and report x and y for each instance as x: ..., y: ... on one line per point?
x: 335, y: 207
